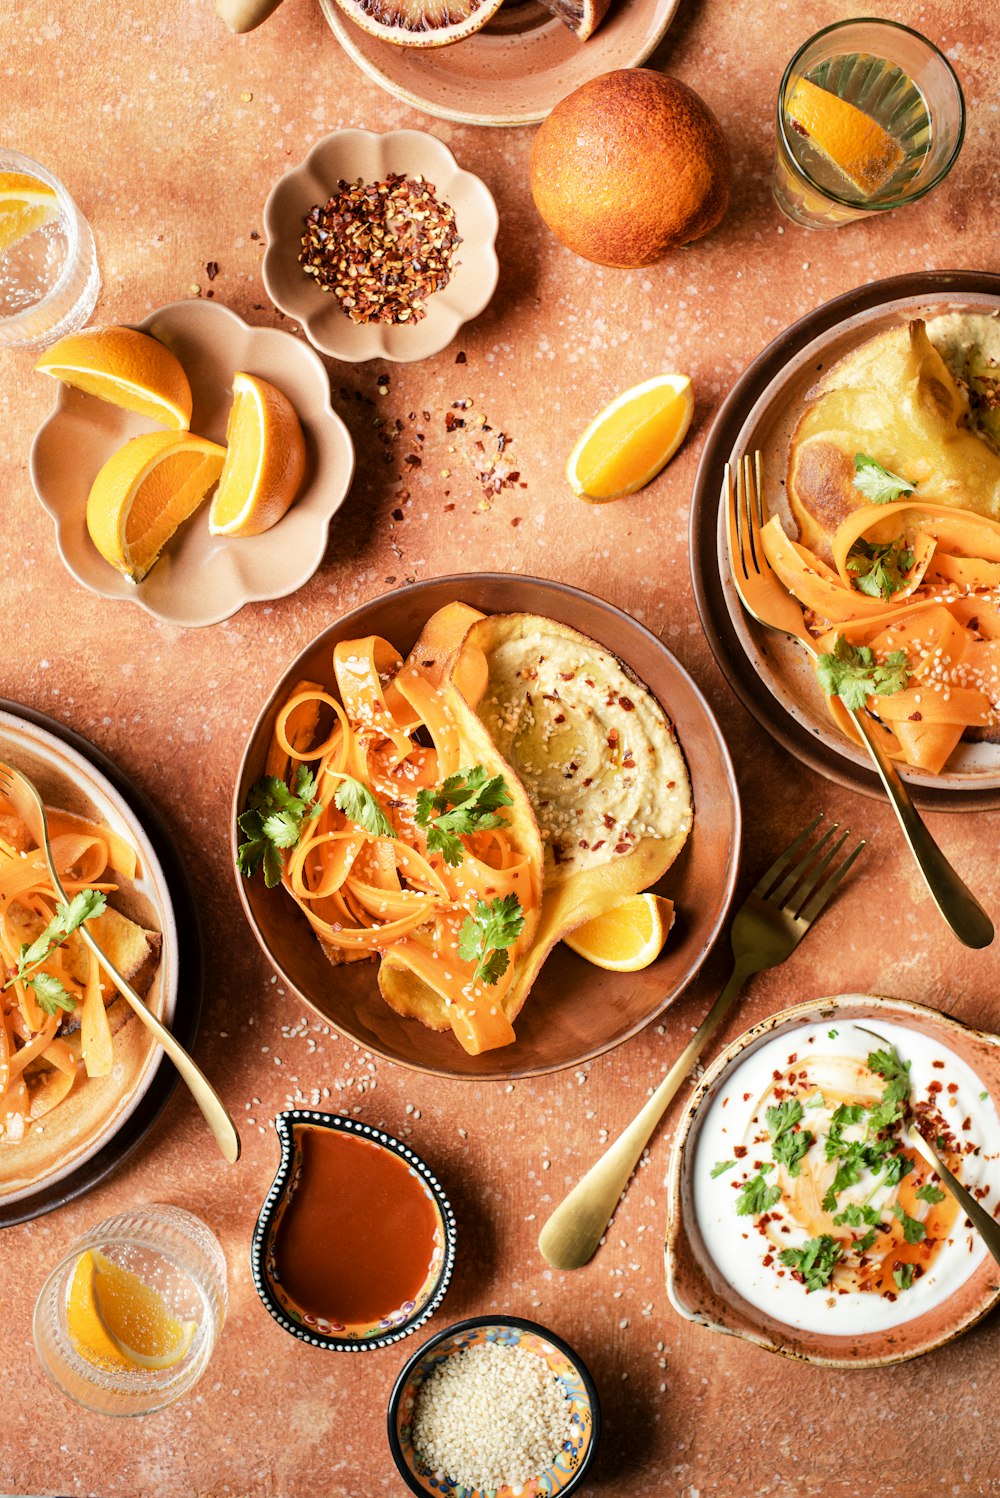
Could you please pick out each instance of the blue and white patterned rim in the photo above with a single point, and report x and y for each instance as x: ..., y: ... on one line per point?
x: 284, y: 1124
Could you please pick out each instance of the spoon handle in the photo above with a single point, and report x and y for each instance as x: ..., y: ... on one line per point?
x: 571, y: 1235
x: 987, y: 1226
x: 200, y: 1087
x: 953, y: 898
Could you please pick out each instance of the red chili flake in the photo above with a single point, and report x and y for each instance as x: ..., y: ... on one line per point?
x: 584, y: 844
x: 607, y: 819
x: 559, y: 718
x: 740, y: 1151
x: 598, y: 844
x: 413, y: 459
x: 254, y: 234
x: 516, y: 521
x: 212, y: 269
x: 628, y: 763
x: 397, y: 514
x: 612, y: 737
x: 621, y: 847
x: 627, y: 704
x: 952, y: 1086
x: 938, y: 1063
x: 460, y: 357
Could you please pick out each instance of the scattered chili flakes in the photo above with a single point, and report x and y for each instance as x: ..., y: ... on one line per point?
x: 381, y: 248
x: 212, y: 269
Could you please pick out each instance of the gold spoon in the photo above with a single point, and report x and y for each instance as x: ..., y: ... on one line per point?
x: 30, y: 807
x: 987, y: 1226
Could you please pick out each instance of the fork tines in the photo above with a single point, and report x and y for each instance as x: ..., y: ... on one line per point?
x: 797, y: 883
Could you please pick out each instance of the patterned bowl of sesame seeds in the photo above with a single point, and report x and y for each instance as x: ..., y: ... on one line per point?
x: 381, y: 246
x: 494, y: 1407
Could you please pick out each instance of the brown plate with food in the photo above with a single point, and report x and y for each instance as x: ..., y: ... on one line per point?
x: 771, y: 675
x: 515, y: 69
x: 86, y: 1135
x: 774, y: 1236
x: 574, y: 1011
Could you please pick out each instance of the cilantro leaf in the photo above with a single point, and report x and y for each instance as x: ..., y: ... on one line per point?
x: 878, y: 484
x: 756, y: 1196
x: 273, y: 820
x: 467, y: 802
x: 856, y: 1216
x: 788, y: 1144
x: 913, y: 1229
x: 51, y: 994
x: 784, y: 1117
x: 83, y: 906
x: 721, y: 1167
x: 904, y: 1276
x: 896, y: 1167
x: 880, y: 569
x: 889, y: 1064
x: 359, y: 806
x: 493, y: 926
x: 862, y: 1245
x: 815, y: 1260
x: 852, y: 673
x: 929, y: 1193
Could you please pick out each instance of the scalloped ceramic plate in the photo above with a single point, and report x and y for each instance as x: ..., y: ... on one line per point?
x: 696, y: 1288
x: 345, y: 156
x: 515, y: 69
x: 200, y: 578
x: 315, y: 1330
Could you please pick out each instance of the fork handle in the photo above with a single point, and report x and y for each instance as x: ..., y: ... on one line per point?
x: 200, y: 1087
x: 571, y: 1235
x: 953, y: 898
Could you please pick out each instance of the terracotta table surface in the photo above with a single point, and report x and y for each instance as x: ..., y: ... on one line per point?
x: 169, y: 133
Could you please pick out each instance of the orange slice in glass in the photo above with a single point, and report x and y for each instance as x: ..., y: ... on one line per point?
x: 25, y: 204
x: 856, y: 144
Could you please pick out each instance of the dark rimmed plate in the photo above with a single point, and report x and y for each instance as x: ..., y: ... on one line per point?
x: 575, y: 1011
x: 772, y: 683
x: 184, y: 1024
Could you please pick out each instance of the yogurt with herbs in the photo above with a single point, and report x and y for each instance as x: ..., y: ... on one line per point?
x: 806, y: 1195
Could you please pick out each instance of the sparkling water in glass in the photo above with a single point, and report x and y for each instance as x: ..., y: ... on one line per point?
x: 170, y: 1251
x: 49, y: 278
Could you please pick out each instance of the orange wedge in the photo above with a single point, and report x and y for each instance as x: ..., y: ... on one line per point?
x: 856, y: 144
x: 115, y: 1320
x: 628, y: 937
x: 265, y: 462
x: 125, y: 367
x: 627, y: 445
x: 25, y: 204
x: 144, y: 492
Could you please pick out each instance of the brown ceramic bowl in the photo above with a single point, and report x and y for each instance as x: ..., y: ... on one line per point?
x: 695, y: 1286
x: 575, y: 1011
x: 770, y: 674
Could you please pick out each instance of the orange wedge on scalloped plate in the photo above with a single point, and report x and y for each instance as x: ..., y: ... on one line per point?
x: 265, y: 462
x: 126, y: 368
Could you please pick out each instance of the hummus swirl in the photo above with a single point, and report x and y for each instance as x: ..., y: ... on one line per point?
x: 595, y: 751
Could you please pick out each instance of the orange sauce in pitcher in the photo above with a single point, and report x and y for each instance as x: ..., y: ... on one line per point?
x: 359, y: 1234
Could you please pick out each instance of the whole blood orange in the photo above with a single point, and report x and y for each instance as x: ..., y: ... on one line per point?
x: 630, y: 166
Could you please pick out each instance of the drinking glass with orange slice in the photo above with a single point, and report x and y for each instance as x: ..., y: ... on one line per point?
x: 128, y: 1321
x: 870, y: 118
x: 48, y: 264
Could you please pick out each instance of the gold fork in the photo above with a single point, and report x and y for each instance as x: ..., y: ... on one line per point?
x: 29, y: 806
x: 768, y: 927
x: 766, y: 599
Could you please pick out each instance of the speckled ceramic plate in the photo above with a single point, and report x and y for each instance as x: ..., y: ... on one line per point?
x: 579, y: 1448
x: 74, y: 775
x: 348, y: 155
x: 316, y: 1330
x: 700, y: 1293
x: 575, y: 1011
x: 769, y: 674
x: 200, y: 578
x: 513, y: 71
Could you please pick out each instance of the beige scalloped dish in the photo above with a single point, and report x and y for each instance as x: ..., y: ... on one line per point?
x: 200, y: 579
x: 350, y: 155
x: 725, y: 1272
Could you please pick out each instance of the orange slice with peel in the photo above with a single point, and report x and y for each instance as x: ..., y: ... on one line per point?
x: 857, y: 145
x: 632, y: 439
x: 265, y: 462
x: 626, y: 938
x: 146, y: 490
x: 115, y: 1320
x: 127, y: 368
x: 25, y: 204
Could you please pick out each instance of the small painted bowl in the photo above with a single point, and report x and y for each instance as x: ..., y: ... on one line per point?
x: 319, y: 1332
x: 579, y: 1449
x: 348, y: 155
